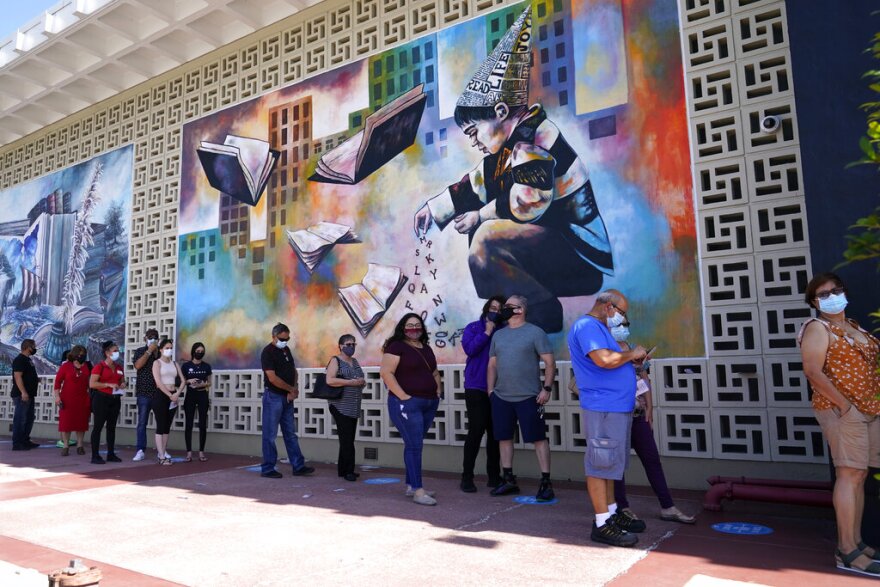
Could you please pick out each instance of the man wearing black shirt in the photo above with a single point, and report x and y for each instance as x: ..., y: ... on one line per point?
x: 24, y: 396
x: 145, y: 387
x: 279, y: 392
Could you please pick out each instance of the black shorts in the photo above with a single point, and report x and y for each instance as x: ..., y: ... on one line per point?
x: 505, y: 415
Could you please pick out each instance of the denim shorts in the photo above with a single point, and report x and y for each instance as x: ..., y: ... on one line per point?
x: 608, y: 438
x: 505, y: 415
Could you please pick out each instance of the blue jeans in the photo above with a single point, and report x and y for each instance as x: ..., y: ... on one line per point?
x: 413, y: 419
x: 143, y: 404
x: 278, y: 411
x: 23, y: 420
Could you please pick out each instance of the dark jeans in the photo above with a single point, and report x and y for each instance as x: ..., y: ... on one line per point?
x: 277, y: 411
x: 23, y: 420
x: 105, y: 407
x: 479, y: 415
x: 413, y: 419
x: 144, y: 403
x: 196, y: 400
x: 642, y: 439
x: 346, y: 426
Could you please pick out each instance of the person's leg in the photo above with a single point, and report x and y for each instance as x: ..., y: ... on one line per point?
x: 619, y: 492
x: 203, y: 403
x: 271, y: 418
x: 408, y: 418
x: 65, y: 439
x: 493, y: 454
x: 348, y: 431
x: 542, y: 450
x: 291, y: 441
x: 189, y: 413
x: 31, y: 416
x: 642, y: 437
x: 144, y: 405
x: 99, y: 409
x: 849, y: 485
x: 80, y: 438
x: 476, y: 428
x: 19, y: 417
x: 338, y: 419
x: 114, y: 408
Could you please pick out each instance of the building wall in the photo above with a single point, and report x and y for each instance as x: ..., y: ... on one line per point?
x: 745, y: 401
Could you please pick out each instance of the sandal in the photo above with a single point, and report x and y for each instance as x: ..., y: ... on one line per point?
x: 844, y: 563
x: 80, y: 450
x: 862, y: 546
x: 203, y: 458
x: 166, y: 462
x: 188, y: 459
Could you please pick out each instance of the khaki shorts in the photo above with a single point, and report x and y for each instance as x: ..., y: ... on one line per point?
x: 854, y: 438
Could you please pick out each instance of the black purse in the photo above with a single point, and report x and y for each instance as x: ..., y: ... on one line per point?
x: 321, y: 390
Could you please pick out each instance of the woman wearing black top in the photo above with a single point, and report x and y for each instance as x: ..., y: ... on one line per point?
x: 197, y: 374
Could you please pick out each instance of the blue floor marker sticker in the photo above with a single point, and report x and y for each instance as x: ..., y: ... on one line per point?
x: 254, y: 469
x: 382, y: 481
x: 742, y: 528
x: 530, y: 500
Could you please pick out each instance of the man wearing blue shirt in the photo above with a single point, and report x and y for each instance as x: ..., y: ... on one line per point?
x: 606, y: 382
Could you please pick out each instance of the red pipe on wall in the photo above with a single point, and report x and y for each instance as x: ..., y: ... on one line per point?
x: 825, y: 485
x: 769, y: 493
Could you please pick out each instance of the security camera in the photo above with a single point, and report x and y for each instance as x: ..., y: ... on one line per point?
x: 770, y: 124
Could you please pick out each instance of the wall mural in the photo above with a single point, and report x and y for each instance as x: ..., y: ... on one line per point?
x: 64, y: 260
x: 502, y: 155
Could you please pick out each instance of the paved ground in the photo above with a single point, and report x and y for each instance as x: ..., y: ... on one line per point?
x: 219, y: 523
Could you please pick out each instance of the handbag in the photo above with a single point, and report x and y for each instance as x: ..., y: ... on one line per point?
x: 321, y: 390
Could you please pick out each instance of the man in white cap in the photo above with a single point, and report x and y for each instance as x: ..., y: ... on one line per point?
x: 530, y: 200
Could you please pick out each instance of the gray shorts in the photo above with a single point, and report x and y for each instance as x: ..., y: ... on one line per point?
x: 608, y: 441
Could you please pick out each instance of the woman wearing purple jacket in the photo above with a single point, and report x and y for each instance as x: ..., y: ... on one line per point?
x: 475, y: 341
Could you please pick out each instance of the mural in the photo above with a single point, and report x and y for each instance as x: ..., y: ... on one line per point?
x: 64, y: 260
x: 502, y: 155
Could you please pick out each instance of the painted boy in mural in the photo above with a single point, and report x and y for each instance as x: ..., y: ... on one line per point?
x: 528, y: 208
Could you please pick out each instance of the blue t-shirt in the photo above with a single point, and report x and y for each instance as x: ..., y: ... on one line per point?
x: 600, y: 390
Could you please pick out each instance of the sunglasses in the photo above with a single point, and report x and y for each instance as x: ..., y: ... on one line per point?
x: 512, y: 306
x: 284, y: 339
x: 827, y: 294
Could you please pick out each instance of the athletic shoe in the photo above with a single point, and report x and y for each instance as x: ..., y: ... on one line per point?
x: 424, y: 499
x: 545, y: 491
x: 626, y: 520
x: 673, y: 514
x: 272, y: 475
x: 303, y: 471
x: 507, y: 487
x: 410, y: 492
x: 467, y: 485
x: 59, y: 444
x: 611, y: 534
x: 32, y: 444
x: 97, y: 460
x: 112, y: 458
x: 139, y: 456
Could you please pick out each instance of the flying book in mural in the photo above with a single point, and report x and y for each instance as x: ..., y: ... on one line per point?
x: 240, y: 167
x: 387, y: 132
x: 312, y: 244
x: 366, y: 302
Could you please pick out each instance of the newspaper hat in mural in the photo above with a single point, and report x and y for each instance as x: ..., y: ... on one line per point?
x: 504, y: 75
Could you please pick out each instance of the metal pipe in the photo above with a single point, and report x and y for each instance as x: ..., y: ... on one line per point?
x: 769, y: 493
x: 822, y: 485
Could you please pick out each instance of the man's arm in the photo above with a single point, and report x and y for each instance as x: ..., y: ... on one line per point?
x: 491, y: 374
x: 141, y: 361
x: 608, y: 359
x: 280, y: 383
x: 549, y: 368
x: 19, y: 383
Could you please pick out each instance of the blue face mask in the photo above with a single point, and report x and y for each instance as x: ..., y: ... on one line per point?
x: 348, y: 350
x: 835, y: 304
x: 620, y: 333
x: 615, y: 320
x: 492, y: 316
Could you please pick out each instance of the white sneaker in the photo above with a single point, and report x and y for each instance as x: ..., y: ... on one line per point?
x: 139, y: 456
x: 410, y: 492
x: 167, y: 456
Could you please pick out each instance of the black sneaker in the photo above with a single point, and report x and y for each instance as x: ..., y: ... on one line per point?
x: 32, y: 444
x: 467, y: 485
x: 303, y: 471
x: 628, y: 522
x: 507, y: 487
x: 611, y: 534
x: 545, y: 491
x: 112, y: 458
x: 272, y: 475
x: 97, y: 460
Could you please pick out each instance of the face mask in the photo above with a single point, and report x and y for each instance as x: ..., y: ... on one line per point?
x: 348, y: 350
x: 281, y: 344
x: 492, y: 316
x: 506, y: 314
x: 167, y: 352
x: 198, y: 355
x: 114, y: 356
x: 151, y: 341
x: 615, y: 320
x: 620, y: 333
x: 413, y: 333
x: 79, y: 359
x: 835, y: 304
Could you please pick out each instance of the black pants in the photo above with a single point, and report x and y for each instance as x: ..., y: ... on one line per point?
x: 105, y: 407
x: 346, y: 426
x: 479, y: 414
x: 200, y: 400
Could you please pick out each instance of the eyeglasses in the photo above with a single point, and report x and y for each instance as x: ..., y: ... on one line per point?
x: 512, y: 306
x: 827, y: 294
x: 284, y: 339
x: 351, y: 344
x: 622, y: 313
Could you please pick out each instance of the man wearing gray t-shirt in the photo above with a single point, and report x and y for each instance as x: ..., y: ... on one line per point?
x: 518, y: 394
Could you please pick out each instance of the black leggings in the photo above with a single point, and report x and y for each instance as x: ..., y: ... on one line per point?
x: 479, y: 414
x: 200, y: 400
x: 105, y: 407
x: 346, y: 426
x: 162, y: 413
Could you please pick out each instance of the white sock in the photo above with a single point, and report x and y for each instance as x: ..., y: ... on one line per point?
x: 612, y: 508
x: 602, y: 518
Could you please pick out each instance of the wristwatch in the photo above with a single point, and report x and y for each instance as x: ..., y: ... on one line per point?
x: 548, y: 388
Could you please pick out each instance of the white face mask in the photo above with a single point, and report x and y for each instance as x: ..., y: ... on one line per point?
x: 835, y: 304
x: 620, y: 333
x: 167, y: 352
x: 151, y: 341
x: 114, y: 355
x: 615, y: 320
x: 281, y: 344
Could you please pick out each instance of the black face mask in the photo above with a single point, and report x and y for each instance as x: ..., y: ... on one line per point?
x: 198, y: 355
x: 506, y: 314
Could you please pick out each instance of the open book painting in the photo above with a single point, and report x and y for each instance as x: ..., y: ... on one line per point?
x: 240, y: 167
x: 312, y: 244
x: 366, y: 302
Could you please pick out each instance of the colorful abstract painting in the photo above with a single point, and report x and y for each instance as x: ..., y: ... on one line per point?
x: 391, y: 194
x: 64, y: 260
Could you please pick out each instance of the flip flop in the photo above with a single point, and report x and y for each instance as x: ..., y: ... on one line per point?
x: 203, y: 459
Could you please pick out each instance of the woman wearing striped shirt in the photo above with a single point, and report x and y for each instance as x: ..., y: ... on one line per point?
x: 344, y: 371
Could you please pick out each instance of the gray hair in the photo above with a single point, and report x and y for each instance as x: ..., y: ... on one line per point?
x: 608, y: 296
x: 522, y: 300
x: 279, y: 328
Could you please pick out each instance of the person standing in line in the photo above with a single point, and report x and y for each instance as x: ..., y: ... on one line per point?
x: 25, y: 384
x: 108, y: 381
x: 197, y: 374
x: 346, y: 372
x: 475, y: 341
x: 606, y: 380
x: 840, y: 362
x: 280, y: 380
x: 642, y: 441
x: 72, y: 398
x: 145, y: 388
x: 166, y: 373
x: 409, y: 370
x: 518, y: 394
